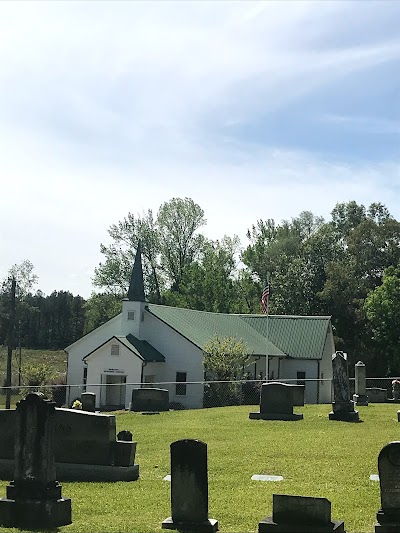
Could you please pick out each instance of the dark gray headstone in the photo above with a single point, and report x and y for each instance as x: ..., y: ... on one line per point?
x: 88, y: 400
x: 300, y: 514
x: 84, y: 437
x: 298, y: 395
x: 34, y: 497
x: 360, y: 384
x: 150, y: 400
x: 276, y: 403
x: 189, y: 488
x: 80, y: 437
x: 342, y: 406
x: 388, y: 515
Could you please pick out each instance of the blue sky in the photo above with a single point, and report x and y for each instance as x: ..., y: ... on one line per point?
x: 255, y: 110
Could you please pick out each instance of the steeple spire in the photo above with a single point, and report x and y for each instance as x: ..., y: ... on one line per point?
x: 136, y: 286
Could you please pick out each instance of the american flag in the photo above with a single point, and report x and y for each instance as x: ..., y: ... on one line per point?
x: 264, y: 298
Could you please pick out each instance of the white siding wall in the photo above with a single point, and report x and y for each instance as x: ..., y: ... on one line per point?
x: 289, y: 369
x: 180, y: 356
x: 79, y: 349
x: 102, y: 362
x: 326, y: 369
x: 132, y: 326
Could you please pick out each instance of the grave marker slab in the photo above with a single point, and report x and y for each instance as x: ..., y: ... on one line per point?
x: 276, y: 403
x: 300, y: 514
x: 33, y: 499
x: 388, y: 515
x: 266, y: 477
x: 342, y: 406
x: 150, y: 400
x: 189, y: 488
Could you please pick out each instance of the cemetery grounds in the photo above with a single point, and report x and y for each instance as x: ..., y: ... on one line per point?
x: 316, y: 457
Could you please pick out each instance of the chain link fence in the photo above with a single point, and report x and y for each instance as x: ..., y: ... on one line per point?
x: 189, y: 395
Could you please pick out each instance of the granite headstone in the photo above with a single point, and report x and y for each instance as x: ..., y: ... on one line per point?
x: 189, y: 488
x: 388, y: 515
x: 360, y: 397
x: 88, y: 400
x: 276, y: 403
x: 149, y: 399
x: 33, y: 499
x: 342, y: 406
x: 300, y: 514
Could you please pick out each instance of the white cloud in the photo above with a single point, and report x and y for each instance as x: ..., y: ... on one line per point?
x: 110, y: 107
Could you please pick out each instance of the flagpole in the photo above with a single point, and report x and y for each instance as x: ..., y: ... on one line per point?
x: 267, y: 338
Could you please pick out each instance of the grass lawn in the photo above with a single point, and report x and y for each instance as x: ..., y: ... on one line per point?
x: 316, y: 457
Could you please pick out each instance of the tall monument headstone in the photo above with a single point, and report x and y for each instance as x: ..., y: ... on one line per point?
x: 33, y: 500
x: 342, y: 406
x: 189, y: 488
x: 360, y: 397
x: 388, y: 515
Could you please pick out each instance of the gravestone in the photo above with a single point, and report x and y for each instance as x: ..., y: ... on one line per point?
x: 189, y: 488
x: 388, y: 515
x: 125, y: 449
x: 298, y: 395
x: 86, y: 447
x: 360, y: 397
x: 34, y: 498
x: 149, y: 400
x: 88, y: 400
x: 342, y: 406
x: 300, y: 514
x: 376, y: 395
x: 276, y: 403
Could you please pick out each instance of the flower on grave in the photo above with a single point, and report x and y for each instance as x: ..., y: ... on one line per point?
x: 78, y: 405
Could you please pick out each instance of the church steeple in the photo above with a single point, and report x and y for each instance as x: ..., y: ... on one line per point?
x: 136, y: 285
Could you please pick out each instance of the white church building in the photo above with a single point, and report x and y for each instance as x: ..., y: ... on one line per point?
x: 155, y: 345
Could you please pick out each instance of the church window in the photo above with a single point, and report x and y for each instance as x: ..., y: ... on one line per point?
x: 131, y: 315
x: 114, y: 349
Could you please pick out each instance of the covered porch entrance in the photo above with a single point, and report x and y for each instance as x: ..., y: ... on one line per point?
x: 113, y: 391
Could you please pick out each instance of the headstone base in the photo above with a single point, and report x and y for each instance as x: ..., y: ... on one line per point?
x: 35, y: 514
x: 387, y: 528
x: 344, y: 416
x: 387, y: 522
x: 275, y: 416
x: 360, y: 399
x: 80, y: 472
x: 267, y: 525
x: 209, y: 526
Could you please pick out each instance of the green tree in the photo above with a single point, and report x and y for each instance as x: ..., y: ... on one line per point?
x: 383, y: 312
x: 99, y: 308
x: 225, y: 358
x: 210, y: 283
x: 169, y: 245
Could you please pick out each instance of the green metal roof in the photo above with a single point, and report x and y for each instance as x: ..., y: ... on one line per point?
x: 145, y: 349
x: 298, y: 336
x: 201, y: 326
x: 293, y: 336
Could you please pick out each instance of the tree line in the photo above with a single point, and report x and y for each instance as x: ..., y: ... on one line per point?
x: 347, y: 267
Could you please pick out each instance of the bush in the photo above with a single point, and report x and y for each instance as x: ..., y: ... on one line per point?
x: 38, y: 378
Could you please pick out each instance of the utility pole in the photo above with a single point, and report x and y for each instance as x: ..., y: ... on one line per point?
x: 11, y: 329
